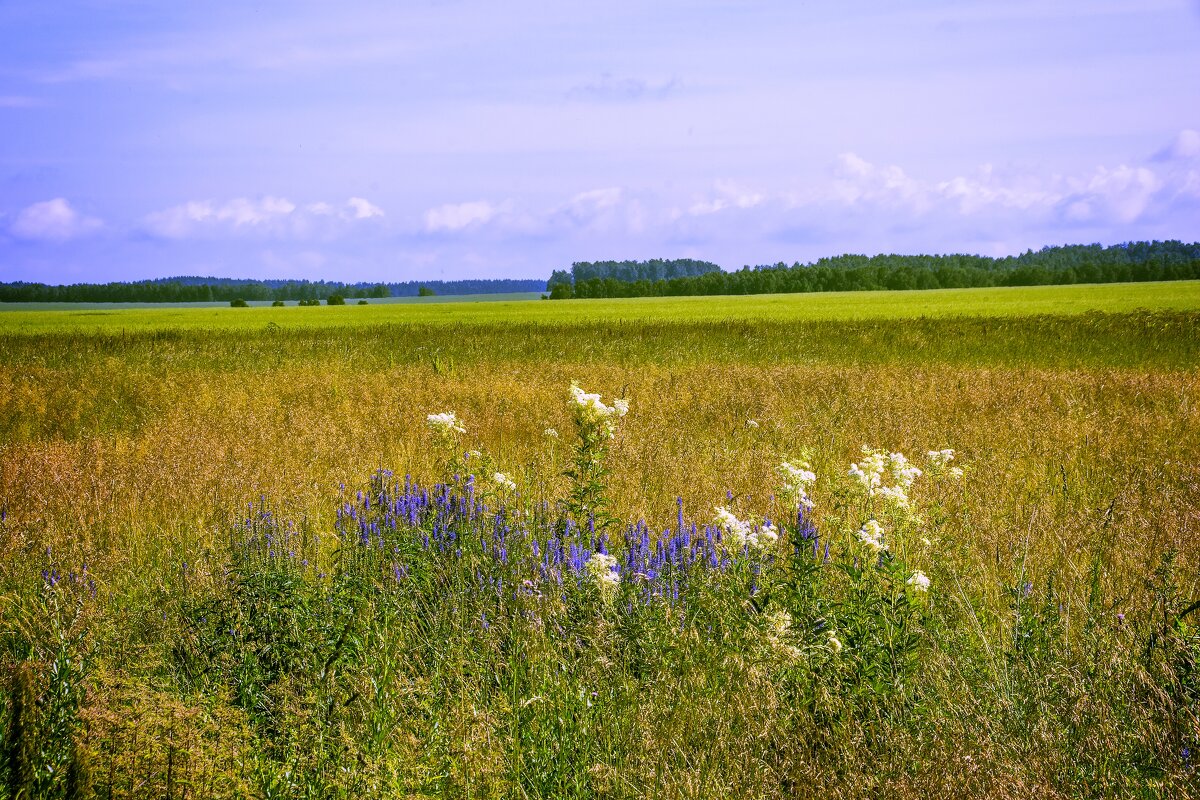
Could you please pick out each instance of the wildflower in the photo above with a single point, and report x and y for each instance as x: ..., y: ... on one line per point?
x: 751, y: 423
x: 780, y: 621
x: 591, y: 409
x: 767, y: 534
x: 904, y: 472
x: 473, y: 454
x: 919, y: 581
x: 603, y: 570
x: 871, y: 535
x: 739, y: 530
x: 550, y: 433
x: 503, y: 481
x: 446, y: 423
x: 955, y: 472
x: 833, y: 642
x: 797, y: 477
x: 940, y: 458
x: 895, y: 494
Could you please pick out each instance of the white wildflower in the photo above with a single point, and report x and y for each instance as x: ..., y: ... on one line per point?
x: 835, y: 644
x: 445, y: 423
x: 473, y: 454
x: 751, y: 423
x: 871, y: 535
x: 603, y: 569
x: 780, y: 621
x: 739, y: 531
x: 919, y: 581
x: 768, y: 534
x: 550, y: 433
x: 503, y: 481
x: 940, y: 458
x: 796, y: 476
x: 955, y: 472
x: 592, y: 410
x: 895, y: 494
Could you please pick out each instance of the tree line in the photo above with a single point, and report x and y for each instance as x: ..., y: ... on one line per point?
x: 193, y: 289
x: 1129, y: 262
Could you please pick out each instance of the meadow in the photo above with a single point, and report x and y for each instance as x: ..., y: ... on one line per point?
x: 240, y: 559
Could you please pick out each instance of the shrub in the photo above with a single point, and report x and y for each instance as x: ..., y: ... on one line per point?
x: 425, y: 291
x: 277, y: 304
x: 238, y: 303
x: 362, y: 302
x: 336, y: 300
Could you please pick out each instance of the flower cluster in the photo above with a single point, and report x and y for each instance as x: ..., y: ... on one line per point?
x: 603, y: 569
x: 919, y: 581
x: 445, y: 424
x: 592, y: 411
x: 886, y: 475
x: 741, y: 533
x: 503, y: 481
x: 871, y: 535
x: 940, y: 459
x: 779, y: 630
x: 797, y: 477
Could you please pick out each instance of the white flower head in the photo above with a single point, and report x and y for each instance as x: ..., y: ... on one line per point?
x: 940, y: 458
x: 503, y: 481
x: 768, y: 534
x: 871, y: 535
x: 919, y: 581
x: 895, y: 494
x: 550, y: 433
x: 833, y: 642
x: 796, y: 478
x: 603, y: 570
x: 751, y: 423
x: 591, y: 410
x: 446, y: 423
x: 738, y: 532
x: 780, y: 621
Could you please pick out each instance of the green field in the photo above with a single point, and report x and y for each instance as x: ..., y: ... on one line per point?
x: 236, y: 634
x: 1000, y: 302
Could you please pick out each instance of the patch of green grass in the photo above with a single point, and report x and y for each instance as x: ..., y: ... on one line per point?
x: 840, y: 306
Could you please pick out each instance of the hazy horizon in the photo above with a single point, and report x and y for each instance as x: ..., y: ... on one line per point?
x: 386, y: 142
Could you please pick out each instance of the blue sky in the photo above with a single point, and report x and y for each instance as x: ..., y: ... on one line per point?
x: 447, y: 139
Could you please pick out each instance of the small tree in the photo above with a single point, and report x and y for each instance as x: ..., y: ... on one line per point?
x: 238, y: 302
x: 336, y: 300
x: 425, y: 291
x: 277, y: 304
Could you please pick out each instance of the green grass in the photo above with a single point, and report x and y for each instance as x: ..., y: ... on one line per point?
x: 840, y: 306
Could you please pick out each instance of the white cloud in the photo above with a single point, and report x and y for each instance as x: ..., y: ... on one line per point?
x: 52, y: 220
x: 363, y: 209
x: 612, y: 89
x: 728, y: 195
x: 273, y: 216
x: 1184, y: 147
x: 456, y: 216
x: 1120, y: 194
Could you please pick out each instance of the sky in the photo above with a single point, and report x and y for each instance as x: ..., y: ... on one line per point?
x: 395, y: 140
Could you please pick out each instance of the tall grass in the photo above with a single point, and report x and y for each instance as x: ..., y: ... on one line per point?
x: 233, y: 634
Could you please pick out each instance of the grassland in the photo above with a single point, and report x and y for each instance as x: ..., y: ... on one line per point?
x: 1053, y: 656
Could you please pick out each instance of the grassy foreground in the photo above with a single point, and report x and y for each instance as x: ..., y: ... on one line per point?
x: 198, y: 601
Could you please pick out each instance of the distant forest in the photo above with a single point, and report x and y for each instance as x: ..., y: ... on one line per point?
x: 191, y: 289
x: 656, y: 269
x: 1133, y: 261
